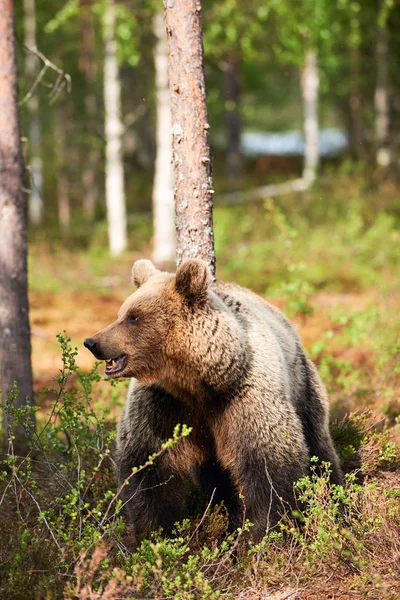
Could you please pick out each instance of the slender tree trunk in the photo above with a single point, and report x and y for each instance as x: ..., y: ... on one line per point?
x: 232, y: 115
x: 163, y: 190
x: 310, y: 88
x: 15, y: 344
x: 63, y: 202
x: 191, y: 150
x: 382, y: 97
x: 87, y: 64
x: 144, y: 126
x: 35, y: 160
x: 115, y: 192
x: 89, y: 184
x: 63, y: 187
x: 356, y: 128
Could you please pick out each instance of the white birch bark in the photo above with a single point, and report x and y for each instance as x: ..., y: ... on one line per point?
x: 115, y: 192
x: 35, y: 206
x: 163, y: 190
x: 381, y: 99
x: 310, y: 89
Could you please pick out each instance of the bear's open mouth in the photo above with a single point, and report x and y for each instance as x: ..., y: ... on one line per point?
x: 115, y: 365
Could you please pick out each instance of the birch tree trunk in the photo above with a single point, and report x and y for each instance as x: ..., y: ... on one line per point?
x: 15, y: 344
x: 232, y: 115
x: 163, y: 190
x: 381, y: 99
x: 191, y: 151
x: 87, y: 64
x: 115, y: 192
x: 35, y: 160
x: 310, y: 88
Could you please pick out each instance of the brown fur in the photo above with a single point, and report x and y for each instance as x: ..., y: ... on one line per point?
x: 223, y: 361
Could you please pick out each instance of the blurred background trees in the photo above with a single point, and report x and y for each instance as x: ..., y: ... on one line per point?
x: 292, y: 88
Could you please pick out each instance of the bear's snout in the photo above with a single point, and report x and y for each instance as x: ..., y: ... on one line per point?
x: 93, y: 346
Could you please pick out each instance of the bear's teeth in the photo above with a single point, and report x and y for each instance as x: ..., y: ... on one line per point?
x: 114, y: 365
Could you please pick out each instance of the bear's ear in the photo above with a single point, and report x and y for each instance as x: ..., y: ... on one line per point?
x: 193, y: 278
x: 142, y: 270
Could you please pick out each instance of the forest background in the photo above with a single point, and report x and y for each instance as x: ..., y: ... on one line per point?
x: 304, y: 112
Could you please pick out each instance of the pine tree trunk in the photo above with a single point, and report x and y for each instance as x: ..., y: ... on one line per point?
x: 115, y: 192
x: 87, y: 64
x: 232, y: 116
x: 34, y: 147
x: 15, y: 345
x: 310, y: 88
x: 163, y: 191
x: 382, y: 98
x: 191, y: 150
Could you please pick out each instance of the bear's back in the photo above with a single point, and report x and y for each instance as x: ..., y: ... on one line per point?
x: 270, y: 332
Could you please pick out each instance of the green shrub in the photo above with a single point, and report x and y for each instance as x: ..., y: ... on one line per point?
x: 63, y: 535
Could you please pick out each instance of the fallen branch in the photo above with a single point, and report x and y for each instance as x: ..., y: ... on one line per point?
x: 266, y: 191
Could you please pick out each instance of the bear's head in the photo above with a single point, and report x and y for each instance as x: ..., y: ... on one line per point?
x: 159, y: 325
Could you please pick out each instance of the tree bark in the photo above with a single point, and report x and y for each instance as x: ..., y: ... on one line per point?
x: 232, y: 116
x: 87, y: 64
x: 310, y: 88
x: 163, y: 190
x: 15, y: 345
x: 35, y: 160
x: 191, y: 151
x: 115, y: 191
x: 381, y: 99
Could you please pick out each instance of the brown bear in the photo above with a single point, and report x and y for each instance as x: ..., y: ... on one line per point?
x: 222, y: 360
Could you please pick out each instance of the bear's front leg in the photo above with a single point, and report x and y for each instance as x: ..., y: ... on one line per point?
x: 265, y: 458
x: 265, y: 493
x: 156, y: 495
x: 153, y: 497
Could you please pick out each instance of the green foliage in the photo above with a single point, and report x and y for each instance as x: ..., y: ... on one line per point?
x: 63, y: 494
x: 326, y: 239
x: 126, y: 33
x: 68, y: 11
x: 303, y: 25
x: 232, y: 27
x: 126, y: 30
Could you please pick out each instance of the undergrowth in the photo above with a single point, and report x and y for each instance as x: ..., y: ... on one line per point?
x: 340, y: 236
x: 63, y: 533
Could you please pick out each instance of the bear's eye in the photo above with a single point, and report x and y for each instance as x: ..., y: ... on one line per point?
x: 132, y: 319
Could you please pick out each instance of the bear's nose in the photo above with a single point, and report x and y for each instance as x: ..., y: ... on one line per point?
x: 90, y: 344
